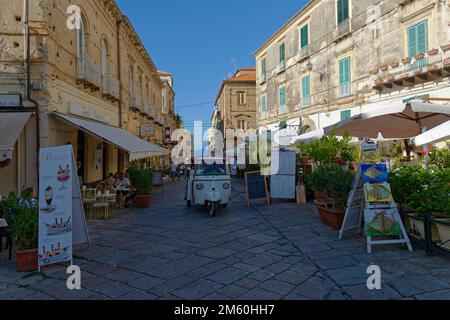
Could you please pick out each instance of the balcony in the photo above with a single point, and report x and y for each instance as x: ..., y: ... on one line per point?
x: 88, y: 74
x: 345, y: 90
x: 306, y: 102
x: 110, y: 87
x: 135, y: 104
x: 303, y: 53
x: 281, y: 67
x: 343, y: 29
x: 427, y: 67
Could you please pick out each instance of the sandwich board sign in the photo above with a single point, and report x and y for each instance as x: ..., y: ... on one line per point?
x: 62, y: 221
x: 256, y: 187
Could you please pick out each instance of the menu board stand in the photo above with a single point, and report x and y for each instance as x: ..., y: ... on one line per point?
x: 256, y: 187
x: 62, y: 222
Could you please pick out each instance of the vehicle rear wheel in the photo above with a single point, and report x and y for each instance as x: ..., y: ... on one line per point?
x: 213, y: 209
x: 189, y: 203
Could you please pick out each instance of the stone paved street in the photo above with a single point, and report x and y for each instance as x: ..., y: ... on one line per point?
x: 281, y: 252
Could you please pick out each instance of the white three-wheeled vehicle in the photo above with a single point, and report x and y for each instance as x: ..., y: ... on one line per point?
x: 209, y: 185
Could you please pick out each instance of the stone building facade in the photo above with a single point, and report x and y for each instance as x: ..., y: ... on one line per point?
x: 337, y: 58
x: 97, y: 71
x: 235, y: 106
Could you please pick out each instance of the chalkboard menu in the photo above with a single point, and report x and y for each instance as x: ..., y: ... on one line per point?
x: 256, y: 187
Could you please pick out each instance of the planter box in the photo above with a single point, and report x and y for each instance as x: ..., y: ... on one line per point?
x: 433, y: 52
x: 27, y: 260
x: 444, y: 233
x: 333, y: 218
x: 416, y: 228
x: 143, y: 202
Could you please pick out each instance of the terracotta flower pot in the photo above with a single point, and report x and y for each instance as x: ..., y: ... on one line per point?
x: 27, y: 260
x: 379, y: 82
x: 390, y: 78
x: 446, y: 47
x: 446, y: 62
x: 433, y: 52
x: 333, y: 218
x: 395, y: 65
x: 419, y: 56
x: 319, y: 194
x: 406, y: 60
x: 143, y: 201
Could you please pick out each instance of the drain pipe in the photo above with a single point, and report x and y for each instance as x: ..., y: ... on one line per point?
x: 119, y: 70
x: 27, y: 64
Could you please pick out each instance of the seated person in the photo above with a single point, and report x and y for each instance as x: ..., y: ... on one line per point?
x: 110, y: 182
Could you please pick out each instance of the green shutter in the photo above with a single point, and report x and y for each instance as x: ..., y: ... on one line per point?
x: 282, y: 52
x: 344, y: 71
x: 418, y: 38
x: 343, y: 10
x: 282, y: 100
x: 304, y: 41
x: 264, y: 104
x: 306, y: 86
x: 264, y: 68
x: 345, y: 115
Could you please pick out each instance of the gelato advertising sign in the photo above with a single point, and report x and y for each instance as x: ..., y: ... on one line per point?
x: 55, y: 205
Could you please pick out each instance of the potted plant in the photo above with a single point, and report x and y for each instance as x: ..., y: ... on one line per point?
x: 24, y: 224
x: 336, y: 182
x: 142, y: 180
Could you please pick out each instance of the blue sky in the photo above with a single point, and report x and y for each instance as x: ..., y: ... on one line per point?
x: 202, y: 42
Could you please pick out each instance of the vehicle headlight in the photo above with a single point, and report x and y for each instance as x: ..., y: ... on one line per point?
x: 200, y: 186
x: 226, y: 186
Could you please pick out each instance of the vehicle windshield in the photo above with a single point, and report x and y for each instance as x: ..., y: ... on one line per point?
x: 211, y: 170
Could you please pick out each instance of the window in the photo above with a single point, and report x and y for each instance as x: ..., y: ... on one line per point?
x: 282, y: 99
x: 304, y: 37
x: 139, y: 97
x: 343, y: 12
x: 283, y: 125
x: 418, y: 42
x: 241, y: 95
x: 264, y: 104
x: 264, y: 69
x: 81, y: 48
x: 345, y: 115
x: 242, y: 125
x: 306, y: 91
x: 105, y: 62
x: 282, y: 50
x: 344, y: 78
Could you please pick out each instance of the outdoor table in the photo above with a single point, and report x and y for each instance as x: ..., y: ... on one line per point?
x: 4, y: 233
x: 122, y: 193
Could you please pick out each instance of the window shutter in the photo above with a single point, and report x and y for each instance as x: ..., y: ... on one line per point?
x: 264, y: 104
x: 343, y: 10
x: 282, y: 97
x: 282, y: 52
x: 344, y: 71
x: 304, y: 41
x: 412, y: 41
x: 306, y: 86
x: 422, y: 37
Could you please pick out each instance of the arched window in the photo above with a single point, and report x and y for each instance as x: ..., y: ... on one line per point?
x: 105, y: 62
x: 81, y: 48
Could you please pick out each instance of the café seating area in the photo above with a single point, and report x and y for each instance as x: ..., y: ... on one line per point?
x: 101, y: 203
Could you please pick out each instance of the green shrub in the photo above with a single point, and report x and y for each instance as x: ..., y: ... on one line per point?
x: 333, y: 179
x: 141, y: 179
x: 440, y: 159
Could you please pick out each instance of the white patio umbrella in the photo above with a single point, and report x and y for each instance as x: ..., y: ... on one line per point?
x: 308, y: 137
x: 395, y: 120
x: 436, y: 135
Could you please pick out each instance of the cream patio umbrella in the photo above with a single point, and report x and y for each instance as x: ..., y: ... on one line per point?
x: 394, y: 120
x: 436, y: 135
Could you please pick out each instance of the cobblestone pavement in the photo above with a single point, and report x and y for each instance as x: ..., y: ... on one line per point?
x: 282, y: 252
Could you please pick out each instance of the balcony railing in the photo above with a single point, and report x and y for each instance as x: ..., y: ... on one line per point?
x: 343, y: 27
x: 303, y: 53
x: 306, y: 101
x: 135, y: 103
x: 281, y: 66
x: 418, y: 64
x: 110, y: 87
x: 345, y: 89
x: 88, y: 73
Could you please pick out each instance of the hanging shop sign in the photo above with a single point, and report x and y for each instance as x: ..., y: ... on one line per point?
x: 10, y: 101
x: 61, y: 215
x: 284, y: 137
x: 147, y: 129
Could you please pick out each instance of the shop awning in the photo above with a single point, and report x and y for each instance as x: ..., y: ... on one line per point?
x: 124, y: 140
x: 11, y: 125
